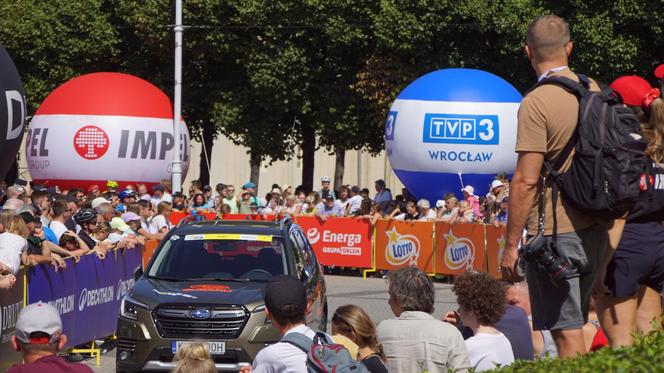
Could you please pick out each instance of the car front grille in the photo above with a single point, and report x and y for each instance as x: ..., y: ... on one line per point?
x: 225, y: 322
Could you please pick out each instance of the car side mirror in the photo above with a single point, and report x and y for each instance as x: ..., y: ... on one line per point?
x: 138, y: 273
x: 306, y: 274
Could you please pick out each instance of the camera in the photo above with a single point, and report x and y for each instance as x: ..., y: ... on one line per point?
x: 536, y: 251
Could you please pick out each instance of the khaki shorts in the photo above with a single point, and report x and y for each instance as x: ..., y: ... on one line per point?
x: 564, y: 304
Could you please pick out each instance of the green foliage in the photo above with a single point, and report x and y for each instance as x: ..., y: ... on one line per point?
x: 646, y: 355
x: 53, y: 41
x: 267, y: 72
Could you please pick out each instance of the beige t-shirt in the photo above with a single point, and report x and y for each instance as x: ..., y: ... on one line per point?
x: 548, y: 116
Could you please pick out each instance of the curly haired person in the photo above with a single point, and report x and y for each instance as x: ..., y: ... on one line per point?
x: 481, y: 301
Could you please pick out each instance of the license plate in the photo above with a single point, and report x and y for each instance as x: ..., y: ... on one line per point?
x: 214, y: 348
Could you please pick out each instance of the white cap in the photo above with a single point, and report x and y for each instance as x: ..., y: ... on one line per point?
x: 98, y: 201
x: 423, y: 203
x: 469, y: 189
x: 38, y: 317
x: 325, y: 179
x: 496, y: 183
x: 440, y: 203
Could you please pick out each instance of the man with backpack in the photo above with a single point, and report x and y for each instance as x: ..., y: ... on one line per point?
x: 566, y: 241
x: 286, y: 306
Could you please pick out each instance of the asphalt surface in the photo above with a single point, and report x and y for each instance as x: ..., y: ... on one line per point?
x: 370, y: 294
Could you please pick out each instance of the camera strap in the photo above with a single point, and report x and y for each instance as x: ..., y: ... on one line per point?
x: 554, y: 200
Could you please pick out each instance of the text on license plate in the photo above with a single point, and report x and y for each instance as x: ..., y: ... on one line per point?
x: 214, y: 348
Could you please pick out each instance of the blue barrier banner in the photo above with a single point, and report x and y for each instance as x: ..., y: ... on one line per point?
x: 11, y: 302
x: 87, y: 294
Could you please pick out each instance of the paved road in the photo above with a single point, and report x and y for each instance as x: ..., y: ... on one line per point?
x: 370, y: 294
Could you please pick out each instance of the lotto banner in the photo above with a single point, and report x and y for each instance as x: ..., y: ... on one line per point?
x: 495, y: 244
x: 87, y: 294
x: 11, y: 302
x: 404, y: 243
x: 343, y: 242
x: 459, y: 247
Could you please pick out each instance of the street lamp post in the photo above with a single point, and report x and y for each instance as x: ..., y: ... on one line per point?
x: 176, y: 170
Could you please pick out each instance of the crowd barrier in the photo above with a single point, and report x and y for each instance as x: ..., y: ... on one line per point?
x: 87, y: 295
x: 434, y: 247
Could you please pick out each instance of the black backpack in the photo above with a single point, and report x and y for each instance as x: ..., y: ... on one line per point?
x: 609, y: 157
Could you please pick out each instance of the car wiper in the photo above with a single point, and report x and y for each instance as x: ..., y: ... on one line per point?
x: 230, y: 279
x: 165, y: 278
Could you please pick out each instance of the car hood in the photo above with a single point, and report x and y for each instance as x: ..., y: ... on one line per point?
x: 155, y: 292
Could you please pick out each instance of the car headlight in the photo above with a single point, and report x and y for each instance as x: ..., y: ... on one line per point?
x: 260, y: 309
x: 129, y: 307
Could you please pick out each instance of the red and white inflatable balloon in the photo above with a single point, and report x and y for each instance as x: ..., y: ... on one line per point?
x: 104, y: 126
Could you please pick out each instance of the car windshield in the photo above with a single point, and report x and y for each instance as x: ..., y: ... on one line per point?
x: 229, y: 257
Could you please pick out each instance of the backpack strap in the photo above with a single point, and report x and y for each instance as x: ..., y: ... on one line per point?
x: 579, y: 89
x: 299, y: 340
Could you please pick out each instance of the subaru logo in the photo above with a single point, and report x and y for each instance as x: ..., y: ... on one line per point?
x: 200, y: 314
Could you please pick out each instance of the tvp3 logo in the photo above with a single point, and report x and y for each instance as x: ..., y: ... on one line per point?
x: 461, y: 129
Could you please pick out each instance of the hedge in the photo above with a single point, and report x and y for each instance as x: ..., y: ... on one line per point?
x: 646, y: 355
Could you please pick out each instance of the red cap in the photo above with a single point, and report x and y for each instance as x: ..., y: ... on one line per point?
x: 659, y: 71
x: 633, y: 89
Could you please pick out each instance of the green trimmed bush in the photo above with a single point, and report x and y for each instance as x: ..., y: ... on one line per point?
x: 646, y: 355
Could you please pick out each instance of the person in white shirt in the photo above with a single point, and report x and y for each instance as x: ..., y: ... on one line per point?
x: 426, y: 213
x: 355, y: 201
x: 286, y: 306
x: 159, y: 194
x: 13, y: 246
x: 160, y: 223
x: 61, y: 213
x: 481, y: 300
x: 343, y: 199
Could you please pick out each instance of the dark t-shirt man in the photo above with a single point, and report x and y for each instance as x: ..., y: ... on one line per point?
x: 514, y: 324
x: 51, y: 364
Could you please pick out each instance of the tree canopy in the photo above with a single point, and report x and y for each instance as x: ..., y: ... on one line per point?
x: 286, y: 77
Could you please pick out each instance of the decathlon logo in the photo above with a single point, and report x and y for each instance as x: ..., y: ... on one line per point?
x: 401, y: 248
x: 313, y: 235
x: 123, y: 288
x: 94, y: 297
x: 461, y: 129
x: 91, y: 142
x: 389, y: 125
x: 459, y: 253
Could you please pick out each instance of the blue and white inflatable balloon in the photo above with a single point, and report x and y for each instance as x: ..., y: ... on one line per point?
x: 451, y: 128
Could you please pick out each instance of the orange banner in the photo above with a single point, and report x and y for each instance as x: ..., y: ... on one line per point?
x: 343, y: 242
x: 246, y: 217
x: 404, y: 243
x: 177, y: 215
x: 495, y: 244
x: 148, y: 249
x: 459, y: 247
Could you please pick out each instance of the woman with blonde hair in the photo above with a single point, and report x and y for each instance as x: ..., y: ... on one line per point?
x: 629, y: 280
x: 355, y: 324
x: 194, y: 358
x: 160, y: 222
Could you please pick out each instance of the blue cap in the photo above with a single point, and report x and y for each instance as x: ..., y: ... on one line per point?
x: 249, y: 185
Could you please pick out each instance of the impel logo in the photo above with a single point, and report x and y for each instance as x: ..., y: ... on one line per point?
x: 461, y: 129
x: 459, y: 253
x: 91, y: 142
x: 401, y: 249
x: 313, y: 235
